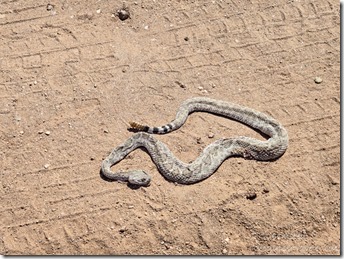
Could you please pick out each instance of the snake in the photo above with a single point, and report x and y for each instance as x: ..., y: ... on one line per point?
x: 175, y: 170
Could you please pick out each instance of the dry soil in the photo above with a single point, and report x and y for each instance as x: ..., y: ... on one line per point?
x: 72, y: 74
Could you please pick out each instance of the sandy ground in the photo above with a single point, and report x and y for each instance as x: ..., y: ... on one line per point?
x: 71, y: 76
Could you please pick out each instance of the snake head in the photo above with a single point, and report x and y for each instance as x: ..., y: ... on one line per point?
x: 139, y: 177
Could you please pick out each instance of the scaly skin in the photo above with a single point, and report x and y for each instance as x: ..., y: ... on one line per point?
x: 212, y: 156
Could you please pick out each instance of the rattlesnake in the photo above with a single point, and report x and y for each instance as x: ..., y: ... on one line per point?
x: 212, y: 156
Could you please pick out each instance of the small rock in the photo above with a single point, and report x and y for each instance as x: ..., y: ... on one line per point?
x: 251, y: 196
x: 224, y: 251
x: 130, y: 207
x: 334, y: 182
x: 265, y: 190
x: 122, y: 229
x: 106, y: 131
x: 98, y: 11
x: 21, y: 132
x: 123, y: 14
x: 50, y: 7
x: 227, y: 240
x: 47, y: 133
x: 181, y: 85
x: 211, y: 135
x: 318, y: 80
x: 46, y: 166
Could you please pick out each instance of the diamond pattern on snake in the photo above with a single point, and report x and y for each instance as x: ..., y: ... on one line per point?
x: 211, y: 157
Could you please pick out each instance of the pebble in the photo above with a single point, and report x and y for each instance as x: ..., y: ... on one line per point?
x: 181, y: 85
x: 199, y: 140
x: 122, y: 229
x: 106, y: 131
x: 211, y: 135
x: 98, y: 11
x: 318, y: 80
x: 46, y: 166
x: 50, y: 7
x: 334, y: 182
x: 47, y: 133
x: 251, y: 196
x: 224, y: 251
x: 227, y: 240
x: 123, y: 14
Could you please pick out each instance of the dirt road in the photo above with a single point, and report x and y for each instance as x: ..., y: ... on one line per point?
x: 72, y: 74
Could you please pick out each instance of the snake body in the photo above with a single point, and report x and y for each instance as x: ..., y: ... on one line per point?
x: 212, y: 156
